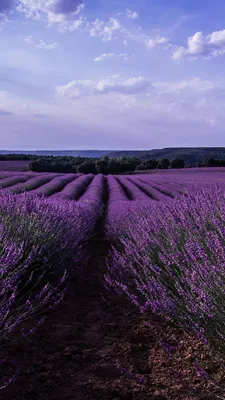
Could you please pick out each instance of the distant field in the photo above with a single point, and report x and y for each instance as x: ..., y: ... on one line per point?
x: 14, y: 165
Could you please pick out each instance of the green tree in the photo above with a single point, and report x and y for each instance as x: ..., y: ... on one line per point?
x: 177, y: 163
x: 102, y: 166
x: 87, y: 168
x: 163, y: 163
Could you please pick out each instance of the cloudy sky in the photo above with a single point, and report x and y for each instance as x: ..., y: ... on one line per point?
x: 112, y: 74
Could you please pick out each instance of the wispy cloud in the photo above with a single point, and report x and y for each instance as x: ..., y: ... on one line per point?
x: 131, y: 14
x: 159, y: 41
x: 108, y: 56
x: 41, y: 44
x: 105, y: 30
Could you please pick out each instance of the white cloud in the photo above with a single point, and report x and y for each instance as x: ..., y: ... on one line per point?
x: 106, y: 31
x: 191, y: 105
x: 107, y: 56
x: 79, y: 24
x: 113, y: 84
x: 199, y: 45
x: 41, y: 44
x: 131, y: 14
x: 190, y: 85
x: 158, y: 41
x: 52, y: 10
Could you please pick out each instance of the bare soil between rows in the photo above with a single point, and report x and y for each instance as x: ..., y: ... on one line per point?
x: 96, y: 345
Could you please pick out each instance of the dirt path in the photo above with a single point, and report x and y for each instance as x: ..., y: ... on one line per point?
x: 95, y: 346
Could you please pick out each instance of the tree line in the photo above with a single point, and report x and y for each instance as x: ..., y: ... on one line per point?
x: 103, y: 165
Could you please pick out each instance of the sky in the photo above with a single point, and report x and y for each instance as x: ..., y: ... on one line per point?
x: 112, y: 74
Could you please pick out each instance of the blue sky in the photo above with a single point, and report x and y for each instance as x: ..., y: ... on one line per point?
x: 111, y: 74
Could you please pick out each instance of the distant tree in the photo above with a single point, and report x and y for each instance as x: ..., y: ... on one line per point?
x: 177, y: 163
x: 87, y: 168
x: 211, y: 162
x: 163, y: 163
x: 102, y: 166
x: 149, y: 164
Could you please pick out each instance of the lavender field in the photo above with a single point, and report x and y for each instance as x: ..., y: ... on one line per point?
x: 155, y: 241
x: 17, y: 165
x: 143, y: 187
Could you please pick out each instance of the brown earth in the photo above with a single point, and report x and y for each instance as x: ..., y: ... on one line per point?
x: 96, y: 346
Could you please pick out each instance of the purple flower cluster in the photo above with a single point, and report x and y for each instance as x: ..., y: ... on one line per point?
x: 170, y: 259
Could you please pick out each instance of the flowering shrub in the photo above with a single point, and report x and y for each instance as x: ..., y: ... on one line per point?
x: 171, y: 260
x: 41, y: 245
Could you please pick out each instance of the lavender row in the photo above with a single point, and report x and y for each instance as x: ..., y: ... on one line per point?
x: 42, y: 246
x: 54, y: 185
x: 170, y: 188
x: 6, y: 182
x: 75, y: 189
x: 133, y: 191
x: 115, y: 190
x: 31, y: 184
x: 152, y: 191
x: 173, y: 260
x: 95, y: 191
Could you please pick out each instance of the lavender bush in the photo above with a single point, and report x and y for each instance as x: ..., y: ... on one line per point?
x: 171, y: 260
x: 41, y: 245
